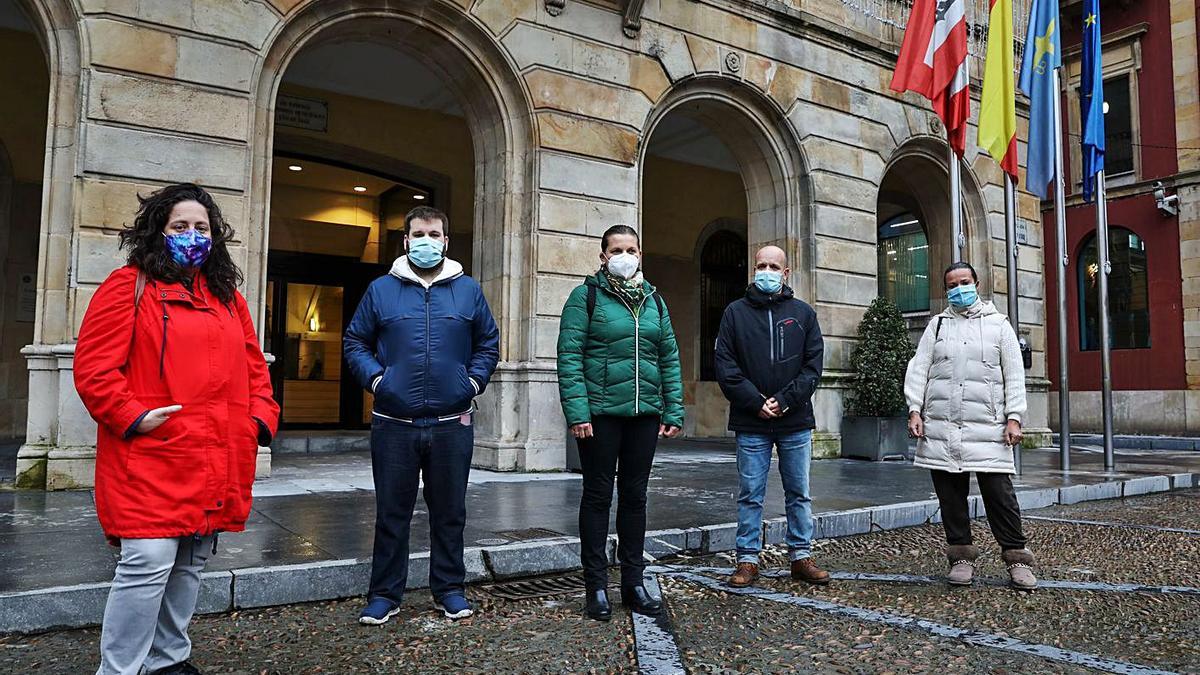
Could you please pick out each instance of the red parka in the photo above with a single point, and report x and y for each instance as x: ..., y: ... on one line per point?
x: 193, y: 474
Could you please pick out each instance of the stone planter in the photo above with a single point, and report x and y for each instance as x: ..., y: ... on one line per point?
x: 874, y: 438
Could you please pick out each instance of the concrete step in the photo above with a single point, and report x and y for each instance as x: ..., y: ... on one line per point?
x: 321, y: 442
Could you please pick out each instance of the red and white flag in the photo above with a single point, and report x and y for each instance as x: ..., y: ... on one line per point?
x: 933, y: 63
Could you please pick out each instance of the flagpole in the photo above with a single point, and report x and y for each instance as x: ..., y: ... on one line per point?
x: 1060, y: 227
x: 1105, y: 329
x: 1010, y: 242
x: 956, y: 208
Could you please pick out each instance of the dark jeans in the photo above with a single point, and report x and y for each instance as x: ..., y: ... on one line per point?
x: 1003, y: 512
x: 624, y: 447
x: 401, y: 454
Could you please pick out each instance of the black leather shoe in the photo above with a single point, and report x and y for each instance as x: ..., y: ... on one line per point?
x: 638, y: 600
x: 597, y: 605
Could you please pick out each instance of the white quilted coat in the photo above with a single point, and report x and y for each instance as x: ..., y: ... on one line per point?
x: 967, y: 380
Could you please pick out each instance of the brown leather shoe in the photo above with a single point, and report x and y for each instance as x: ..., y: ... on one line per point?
x: 745, y: 575
x: 805, y: 569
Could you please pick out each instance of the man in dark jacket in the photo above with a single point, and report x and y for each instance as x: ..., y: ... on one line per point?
x: 424, y: 342
x: 768, y: 362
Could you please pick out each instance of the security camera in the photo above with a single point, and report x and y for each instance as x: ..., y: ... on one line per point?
x: 1167, y: 204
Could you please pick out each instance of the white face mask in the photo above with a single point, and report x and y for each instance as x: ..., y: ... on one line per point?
x: 624, y: 265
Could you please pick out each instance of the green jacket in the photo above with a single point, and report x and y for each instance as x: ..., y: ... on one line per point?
x: 600, y: 372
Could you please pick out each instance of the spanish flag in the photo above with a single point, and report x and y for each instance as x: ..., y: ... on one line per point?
x: 998, y: 109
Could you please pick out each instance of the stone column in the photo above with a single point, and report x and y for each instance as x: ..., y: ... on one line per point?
x: 1185, y: 69
x: 71, y: 462
x: 42, y: 426
x: 1189, y: 250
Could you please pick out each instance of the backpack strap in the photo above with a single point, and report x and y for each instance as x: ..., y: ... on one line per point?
x: 139, y: 289
x: 658, y: 302
x: 591, y: 300
x: 938, y: 329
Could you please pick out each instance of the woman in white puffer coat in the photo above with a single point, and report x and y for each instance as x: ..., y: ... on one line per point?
x: 966, y: 400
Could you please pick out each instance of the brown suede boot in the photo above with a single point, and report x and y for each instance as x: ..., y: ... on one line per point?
x: 745, y: 575
x: 805, y: 569
x: 962, y: 563
x: 1020, y: 569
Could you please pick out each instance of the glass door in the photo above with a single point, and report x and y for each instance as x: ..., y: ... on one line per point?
x: 306, y: 340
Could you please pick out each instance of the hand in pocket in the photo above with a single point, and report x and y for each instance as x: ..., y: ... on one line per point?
x: 156, y: 418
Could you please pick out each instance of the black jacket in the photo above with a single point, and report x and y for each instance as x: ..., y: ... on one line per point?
x: 769, y: 346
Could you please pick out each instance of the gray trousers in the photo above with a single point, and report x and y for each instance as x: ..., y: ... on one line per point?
x: 150, y: 604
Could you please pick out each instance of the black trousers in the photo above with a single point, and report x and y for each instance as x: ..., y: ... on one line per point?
x: 1003, y: 512
x: 621, y: 447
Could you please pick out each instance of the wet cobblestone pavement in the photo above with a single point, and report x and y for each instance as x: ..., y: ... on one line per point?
x: 851, y: 626
x: 1172, y: 509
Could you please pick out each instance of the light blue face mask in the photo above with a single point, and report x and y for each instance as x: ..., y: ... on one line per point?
x: 768, y: 281
x: 425, y: 252
x: 962, y: 296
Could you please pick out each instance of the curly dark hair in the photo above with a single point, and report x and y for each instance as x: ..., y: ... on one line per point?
x: 148, y: 250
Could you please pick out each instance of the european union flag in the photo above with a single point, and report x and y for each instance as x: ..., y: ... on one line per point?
x: 1042, y: 55
x: 1091, y: 98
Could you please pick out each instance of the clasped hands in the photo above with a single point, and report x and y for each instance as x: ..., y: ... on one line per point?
x: 771, y: 409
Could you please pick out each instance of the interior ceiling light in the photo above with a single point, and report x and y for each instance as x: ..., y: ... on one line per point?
x: 295, y: 167
x: 359, y: 188
x: 418, y: 197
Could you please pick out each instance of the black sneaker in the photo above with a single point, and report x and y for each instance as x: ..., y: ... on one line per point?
x: 183, y: 668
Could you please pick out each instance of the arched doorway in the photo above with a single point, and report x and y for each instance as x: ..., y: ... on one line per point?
x: 370, y: 109
x: 723, y: 274
x: 914, y: 230
x: 25, y: 77
x: 721, y: 173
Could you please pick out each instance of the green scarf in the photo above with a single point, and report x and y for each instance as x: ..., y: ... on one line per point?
x: 629, y: 289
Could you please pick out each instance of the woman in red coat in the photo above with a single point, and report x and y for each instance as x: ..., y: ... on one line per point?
x: 168, y: 364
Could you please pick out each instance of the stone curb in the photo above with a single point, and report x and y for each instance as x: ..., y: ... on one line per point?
x: 221, y: 591
x: 1169, y: 443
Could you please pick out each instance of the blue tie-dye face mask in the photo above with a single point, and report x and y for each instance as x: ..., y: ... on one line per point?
x: 189, y: 249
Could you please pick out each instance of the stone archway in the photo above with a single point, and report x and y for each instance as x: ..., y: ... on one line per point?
x: 769, y: 159
x: 916, y: 179
x: 738, y: 143
x: 497, y: 109
x: 48, y: 358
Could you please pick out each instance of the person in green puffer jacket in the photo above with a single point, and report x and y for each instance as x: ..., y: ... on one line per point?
x: 621, y: 389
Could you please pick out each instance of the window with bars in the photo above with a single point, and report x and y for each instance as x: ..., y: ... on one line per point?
x: 722, y: 280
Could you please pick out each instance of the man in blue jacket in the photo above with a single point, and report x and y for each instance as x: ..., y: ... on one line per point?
x: 424, y: 342
x: 768, y: 361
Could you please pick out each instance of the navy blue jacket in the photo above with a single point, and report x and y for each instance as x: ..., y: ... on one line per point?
x: 769, y: 346
x: 432, y: 349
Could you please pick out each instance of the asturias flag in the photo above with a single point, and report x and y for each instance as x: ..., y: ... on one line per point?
x: 933, y: 63
x: 998, y: 108
x: 1042, y: 55
x: 1091, y: 98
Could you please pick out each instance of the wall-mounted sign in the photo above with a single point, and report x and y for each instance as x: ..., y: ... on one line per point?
x: 26, y: 298
x: 302, y: 113
x: 1022, y: 231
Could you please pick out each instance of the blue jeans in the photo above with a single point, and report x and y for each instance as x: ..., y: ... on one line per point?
x: 754, y: 464
x: 401, y: 454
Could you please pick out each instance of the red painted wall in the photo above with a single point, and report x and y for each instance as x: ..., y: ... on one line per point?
x: 1161, y: 367
x: 1156, y: 85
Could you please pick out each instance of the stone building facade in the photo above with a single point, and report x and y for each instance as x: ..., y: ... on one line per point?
x: 536, y: 124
